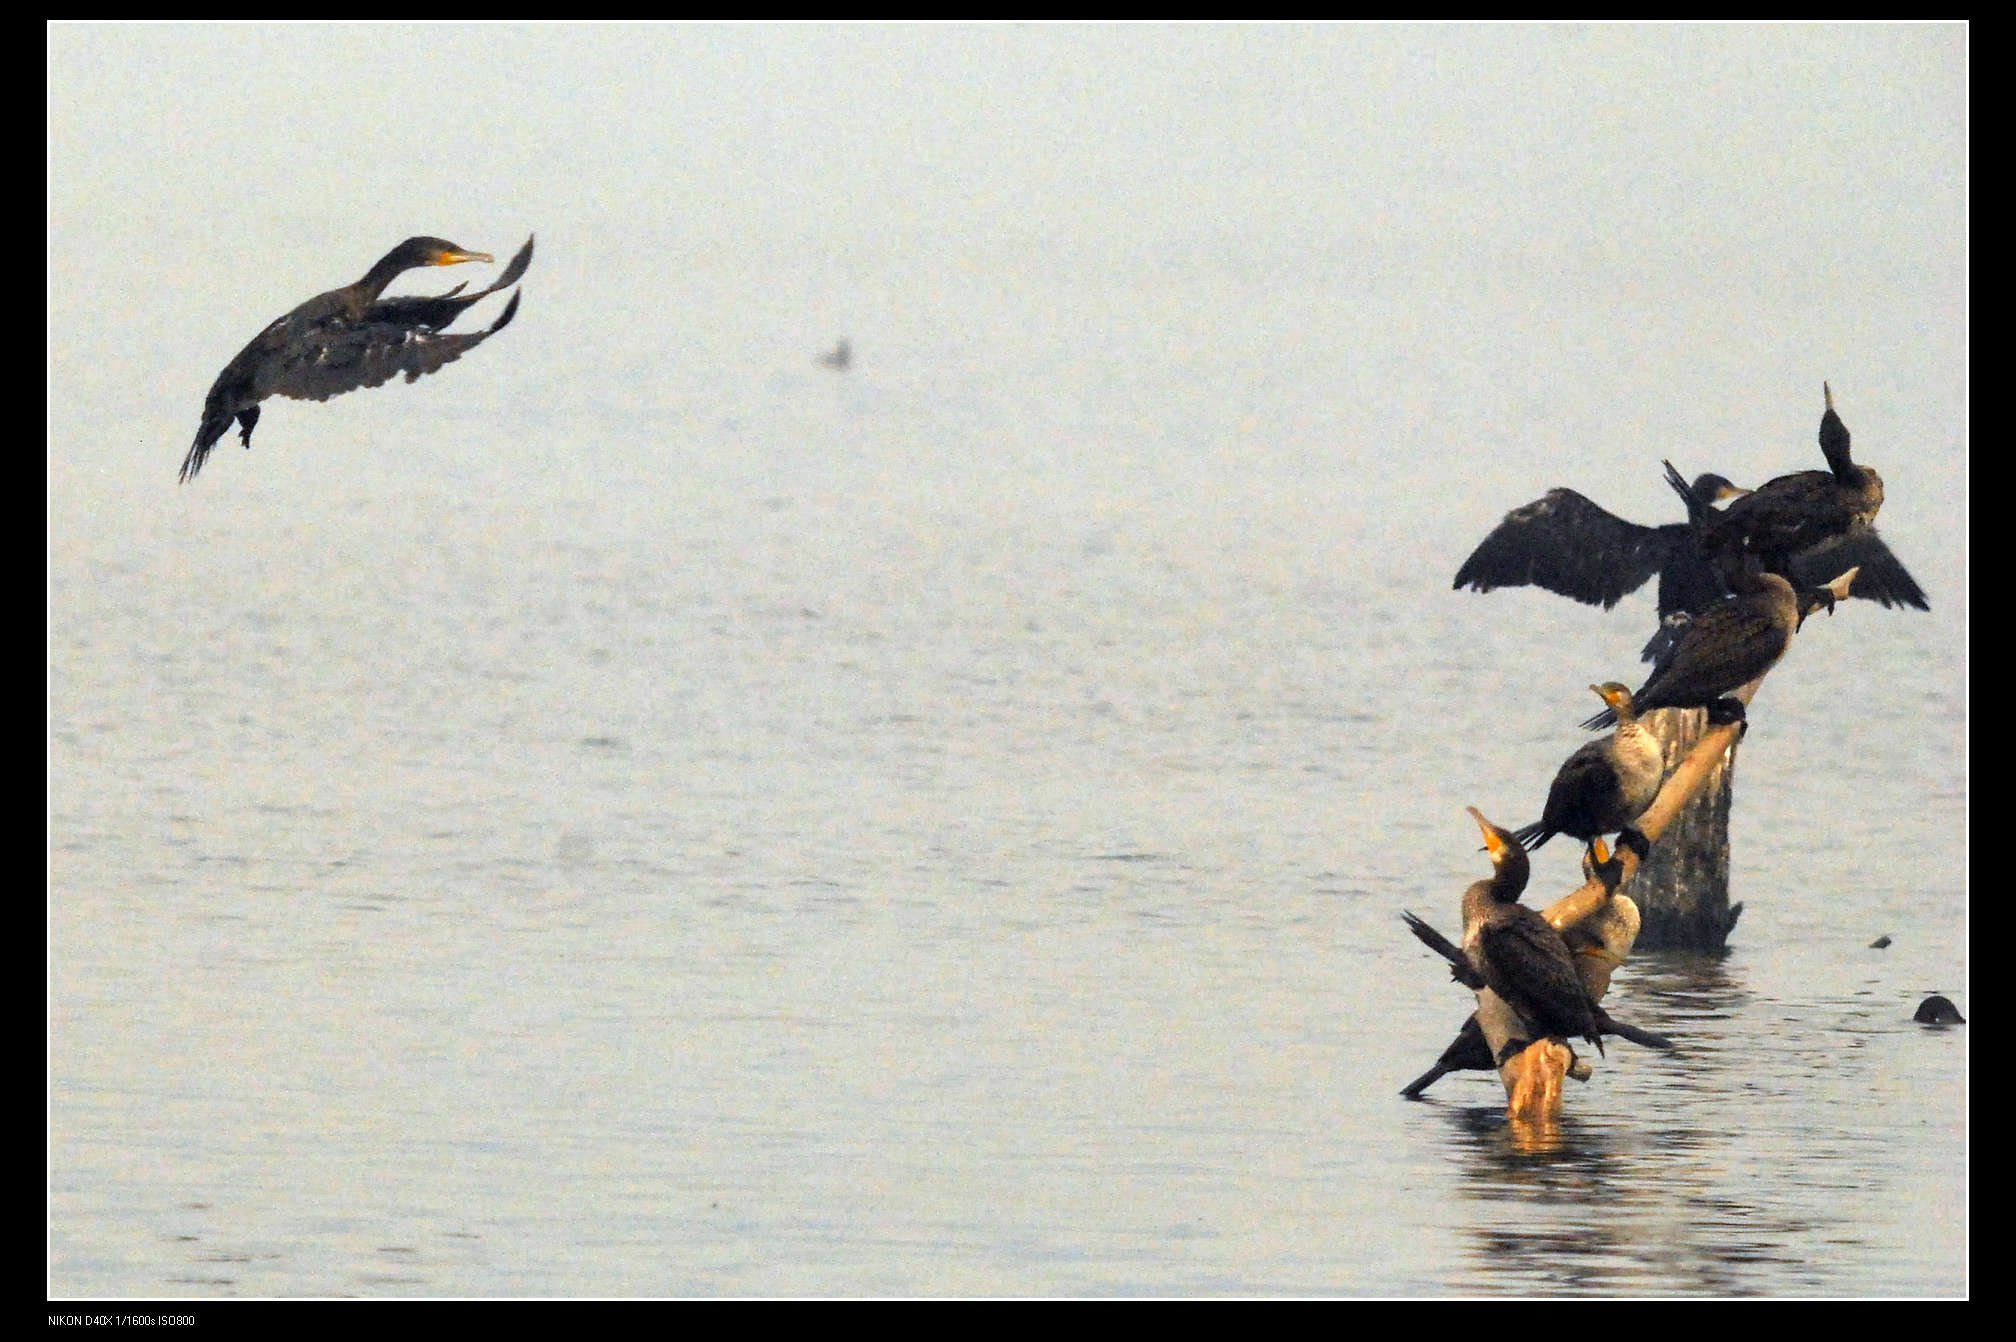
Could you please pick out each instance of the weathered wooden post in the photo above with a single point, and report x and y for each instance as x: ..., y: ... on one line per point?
x: 1683, y: 890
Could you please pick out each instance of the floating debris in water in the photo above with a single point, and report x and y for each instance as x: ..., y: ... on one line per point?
x: 1936, y: 1010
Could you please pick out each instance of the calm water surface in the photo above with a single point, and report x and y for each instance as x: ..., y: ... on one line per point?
x: 805, y: 863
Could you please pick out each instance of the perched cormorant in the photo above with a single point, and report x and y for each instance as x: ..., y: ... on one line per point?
x: 350, y: 338
x: 1523, y: 959
x: 1606, y: 785
x: 1579, y: 549
x: 1807, y: 527
x: 1470, y: 1050
x: 1719, y: 559
x: 1794, y: 513
x: 1725, y: 648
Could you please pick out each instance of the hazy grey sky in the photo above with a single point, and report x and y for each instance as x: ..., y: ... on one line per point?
x: 990, y: 135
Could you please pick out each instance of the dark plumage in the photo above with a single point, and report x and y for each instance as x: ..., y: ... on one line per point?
x: 1725, y: 648
x: 1937, y: 1010
x: 350, y: 338
x: 1523, y: 959
x: 1795, y: 513
x: 1806, y: 527
x: 1606, y: 785
x: 1469, y: 1051
x: 1578, y: 549
x: 1517, y: 953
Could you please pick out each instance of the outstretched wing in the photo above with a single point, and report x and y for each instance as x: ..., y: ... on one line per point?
x: 1571, y: 546
x: 1882, y: 578
x: 372, y: 352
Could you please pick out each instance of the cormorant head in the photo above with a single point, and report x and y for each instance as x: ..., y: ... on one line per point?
x: 1712, y: 489
x: 1617, y: 696
x: 1508, y: 860
x: 433, y: 252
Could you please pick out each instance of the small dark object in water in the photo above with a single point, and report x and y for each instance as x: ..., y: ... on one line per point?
x: 839, y: 358
x: 1936, y: 1010
x: 1879, y: 944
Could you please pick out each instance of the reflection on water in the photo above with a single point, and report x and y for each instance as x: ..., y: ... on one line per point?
x: 1722, y: 1175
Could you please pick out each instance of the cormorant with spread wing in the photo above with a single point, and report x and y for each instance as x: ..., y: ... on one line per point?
x: 1807, y: 526
x: 1785, y: 517
x: 1579, y: 549
x: 350, y: 338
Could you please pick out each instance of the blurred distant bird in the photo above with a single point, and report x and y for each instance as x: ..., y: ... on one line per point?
x: 350, y: 338
x: 839, y: 358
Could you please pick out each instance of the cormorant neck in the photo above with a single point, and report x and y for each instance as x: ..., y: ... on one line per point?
x: 389, y: 268
x: 1834, y: 442
x: 1508, y: 882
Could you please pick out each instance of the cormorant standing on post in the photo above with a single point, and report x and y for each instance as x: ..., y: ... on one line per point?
x: 1794, y: 513
x: 1469, y: 1050
x: 1579, y: 549
x: 1523, y: 959
x: 1606, y: 785
x: 1725, y: 647
x: 349, y: 338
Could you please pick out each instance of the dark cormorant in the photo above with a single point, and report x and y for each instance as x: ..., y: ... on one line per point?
x: 1606, y: 785
x: 1794, y: 513
x: 1470, y: 1050
x: 839, y: 358
x: 1719, y: 556
x: 1807, y: 527
x: 1725, y: 647
x: 1523, y: 959
x: 1579, y: 549
x: 350, y: 338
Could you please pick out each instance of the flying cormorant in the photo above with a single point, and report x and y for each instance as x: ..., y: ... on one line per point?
x: 1606, y: 785
x: 350, y: 338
